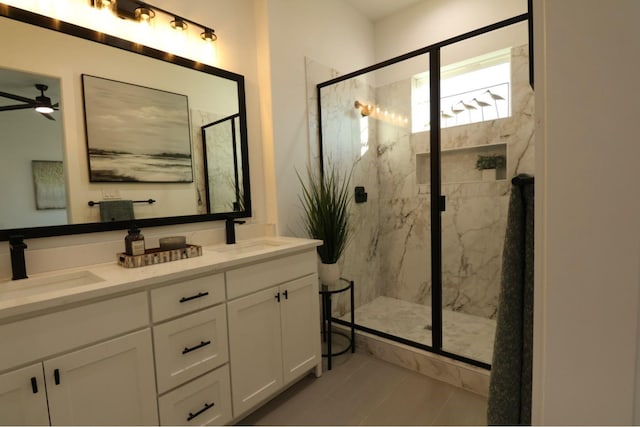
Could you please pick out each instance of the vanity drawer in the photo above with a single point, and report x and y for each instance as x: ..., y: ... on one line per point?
x: 252, y: 278
x: 205, y: 401
x: 38, y: 337
x: 190, y: 346
x: 186, y: 296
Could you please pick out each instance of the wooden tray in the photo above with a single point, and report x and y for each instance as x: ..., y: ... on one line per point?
x: 158, y: 256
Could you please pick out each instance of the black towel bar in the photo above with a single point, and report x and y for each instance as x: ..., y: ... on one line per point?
x: 150, y: 201
x: 522, y: 179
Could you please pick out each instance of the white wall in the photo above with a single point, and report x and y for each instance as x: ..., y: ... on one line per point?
x: 330, y: 32
x: 432, y: 21
x: 588, y: 211
x: 38, y: 139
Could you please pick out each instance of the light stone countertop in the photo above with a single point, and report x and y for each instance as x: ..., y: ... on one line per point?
x: 58, y: 288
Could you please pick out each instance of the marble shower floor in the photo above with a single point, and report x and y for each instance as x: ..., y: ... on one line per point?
x: 463, y: 334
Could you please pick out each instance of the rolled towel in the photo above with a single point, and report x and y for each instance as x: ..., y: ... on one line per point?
x: 116, y: 210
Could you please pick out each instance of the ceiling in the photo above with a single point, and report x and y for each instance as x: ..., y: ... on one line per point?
x: 378, y: 9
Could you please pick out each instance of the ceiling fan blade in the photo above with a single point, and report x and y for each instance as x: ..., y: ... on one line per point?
x: 17, y: 98
x: 15, y: 107
x: 48, y: 116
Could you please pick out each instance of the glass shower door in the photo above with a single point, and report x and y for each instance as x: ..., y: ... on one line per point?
x: 486, y: 138
x: 376, y: 127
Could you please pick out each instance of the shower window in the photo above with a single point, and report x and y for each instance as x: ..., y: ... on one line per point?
x: 471, y: 91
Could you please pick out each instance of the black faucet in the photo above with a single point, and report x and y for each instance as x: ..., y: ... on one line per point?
x: 230, y: 225
x: 18, y: 265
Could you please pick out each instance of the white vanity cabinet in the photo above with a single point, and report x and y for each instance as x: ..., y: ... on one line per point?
x: 201, y: 346
x: 274, y: 330
x: 111, y: 382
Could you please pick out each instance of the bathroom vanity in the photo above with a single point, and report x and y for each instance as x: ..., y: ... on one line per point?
x: 198, y: 341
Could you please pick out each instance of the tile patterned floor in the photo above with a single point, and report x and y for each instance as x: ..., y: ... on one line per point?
x: 363, y: 390
x: 463, y: 334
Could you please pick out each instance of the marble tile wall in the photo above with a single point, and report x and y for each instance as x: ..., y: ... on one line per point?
x: 391, y: 253
x: 198, y: 119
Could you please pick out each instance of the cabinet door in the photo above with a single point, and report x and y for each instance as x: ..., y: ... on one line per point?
x: 300, y: 327
x: 111, y: 383
x: 23, y: 399
x: 255, y: 348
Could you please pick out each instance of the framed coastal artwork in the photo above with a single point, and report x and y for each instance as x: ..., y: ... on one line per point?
x: 48, y: 184
x: 135, y: 133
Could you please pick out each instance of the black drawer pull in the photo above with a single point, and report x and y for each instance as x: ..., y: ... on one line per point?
x: 202, y: 344
x: 56, y: 376
x: 199, y: 295
x: 34, y: 385
x: 286, y: 294
x: 278, y: 297
x: 206, y: 406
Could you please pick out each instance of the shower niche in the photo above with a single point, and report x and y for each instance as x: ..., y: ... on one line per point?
x: 480, y: 163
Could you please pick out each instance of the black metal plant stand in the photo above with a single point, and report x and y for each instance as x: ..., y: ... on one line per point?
x: 326, y: 291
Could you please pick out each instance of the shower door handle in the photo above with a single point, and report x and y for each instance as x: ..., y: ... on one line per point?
x: 443, y: 203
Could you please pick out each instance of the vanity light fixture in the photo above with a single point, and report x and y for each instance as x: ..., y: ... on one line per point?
x: 178, y: 24
x: 144, y: 14
x: 365, y: 109
x: 103, y: 4
x: 374, y: 111
x: 209, y: 35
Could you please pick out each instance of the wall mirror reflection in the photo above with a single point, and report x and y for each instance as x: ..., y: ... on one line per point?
x: 58, y: 60
x: 223, y: 166
x: 28, y: 136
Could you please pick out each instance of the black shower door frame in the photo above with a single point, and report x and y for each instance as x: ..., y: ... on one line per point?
x: 437, y: 198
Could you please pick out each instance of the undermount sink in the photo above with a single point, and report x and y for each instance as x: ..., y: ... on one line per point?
x: 243, y: 247
x: 30, y: 287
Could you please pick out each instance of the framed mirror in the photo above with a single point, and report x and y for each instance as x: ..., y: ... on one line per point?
x: 46, y: 161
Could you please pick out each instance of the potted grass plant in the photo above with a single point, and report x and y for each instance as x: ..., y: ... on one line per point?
x: 326, y: 201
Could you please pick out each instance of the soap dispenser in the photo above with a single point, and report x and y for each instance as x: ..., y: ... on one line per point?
x: 134, y: 242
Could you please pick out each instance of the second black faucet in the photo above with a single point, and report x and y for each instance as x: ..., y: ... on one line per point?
x: 230, y: 225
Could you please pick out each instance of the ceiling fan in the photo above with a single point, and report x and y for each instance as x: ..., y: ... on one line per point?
x: 42, y: 104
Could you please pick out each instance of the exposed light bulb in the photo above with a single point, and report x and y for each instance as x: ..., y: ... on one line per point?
x: 179, y: 24
x: 44, y: 109
x: 208, y: 35
x: 144, y: 14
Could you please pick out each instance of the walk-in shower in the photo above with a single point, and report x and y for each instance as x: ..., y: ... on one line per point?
x: 434, y: 137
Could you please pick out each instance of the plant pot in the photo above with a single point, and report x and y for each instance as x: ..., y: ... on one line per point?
x: 329, y: 274
x: 488, y: 174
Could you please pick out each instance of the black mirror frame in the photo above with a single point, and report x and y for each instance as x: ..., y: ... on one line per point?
x: 87, y: 34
